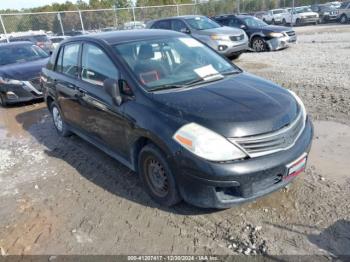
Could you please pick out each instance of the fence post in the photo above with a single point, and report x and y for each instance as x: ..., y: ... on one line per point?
x: 60, y: 20
x: 81, y: 21
x: 177, y: 10
x: 133, y: 14
x: 115, y: 17
x: 4, y: 29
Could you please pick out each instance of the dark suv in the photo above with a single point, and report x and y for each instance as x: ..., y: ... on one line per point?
x: 40, y: 40
x: 190, y: 123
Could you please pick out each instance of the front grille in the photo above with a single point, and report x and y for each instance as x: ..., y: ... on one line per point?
x: 290, y: 33
x: 237, y: 37
x: 311, y: 16
x: 272, y: 142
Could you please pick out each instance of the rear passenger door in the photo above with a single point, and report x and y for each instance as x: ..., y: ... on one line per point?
x: 100, y: 117
x: 64, y: 80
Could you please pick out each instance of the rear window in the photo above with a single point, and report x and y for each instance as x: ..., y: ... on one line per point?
x: 41, y: 38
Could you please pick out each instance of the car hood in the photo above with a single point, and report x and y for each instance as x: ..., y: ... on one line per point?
x: 221, y: 30
x: 277, y: 29
x: 308, y: 13
x: 23, y: 71
x: 241, y: 105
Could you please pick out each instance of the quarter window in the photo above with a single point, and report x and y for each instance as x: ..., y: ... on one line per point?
x: 96, y: 66
x: 58, y: 66
x: 70, y: 60
x: 179, y: 26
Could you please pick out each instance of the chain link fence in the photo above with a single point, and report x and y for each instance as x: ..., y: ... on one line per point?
x: 62, y: 23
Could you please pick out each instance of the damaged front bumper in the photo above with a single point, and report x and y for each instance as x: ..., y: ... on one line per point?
x: 16, y: 93
x: 280, y: 42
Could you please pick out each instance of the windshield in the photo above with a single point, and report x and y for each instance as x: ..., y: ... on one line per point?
x: 202, y: 23
x: 279, y: 11
x: 20, y: 54
x: 254, y: 22
x: 303, y: 10
x: 168, y: 63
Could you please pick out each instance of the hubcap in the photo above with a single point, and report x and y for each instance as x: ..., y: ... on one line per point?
x: 156, y: 177
x: 343, y: 20
x: 57, y: 119
x: 259, y: 45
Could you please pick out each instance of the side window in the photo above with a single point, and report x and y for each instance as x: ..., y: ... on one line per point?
x: 70, y: 60
x: 164, y: 24
x: 234, y: 22
x: 58, y: 66
x: 179, y: 26
x: 96, y: 66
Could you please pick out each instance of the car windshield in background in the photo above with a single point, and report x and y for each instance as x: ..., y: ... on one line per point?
x: 280, y: 11
x: 173, y: 63
x: 303, y: 10
x: 254, y: 22
x: 202, y: 23
x: 20, y: 54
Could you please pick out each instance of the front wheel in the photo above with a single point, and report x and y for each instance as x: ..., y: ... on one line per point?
x: 2, y: 100
x: 284, y: 22
x: 235, y: 56
x: 259, y: 44
x: 60, y: 125
x: 298, y: 22
x: 157, y: 177
x: 343, y: 19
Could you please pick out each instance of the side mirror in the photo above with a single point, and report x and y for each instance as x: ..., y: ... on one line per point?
x: 243, y: 27
x: 185, y: 30
x: 112, y: 88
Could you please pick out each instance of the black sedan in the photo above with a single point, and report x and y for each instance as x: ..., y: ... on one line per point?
x: 263, y: 37
x: 20, y: 67
x: 193, y: 125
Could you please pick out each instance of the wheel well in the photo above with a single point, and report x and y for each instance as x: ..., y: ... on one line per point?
x: 138, y: 145
x: 49, y: 101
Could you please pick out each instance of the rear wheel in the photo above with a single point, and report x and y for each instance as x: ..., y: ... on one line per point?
x: 2, y: 100
x: 157, y: 177
x: 259, y: 44
x: 60, y: 125
x: 284, y: 22
x: 343, y: 19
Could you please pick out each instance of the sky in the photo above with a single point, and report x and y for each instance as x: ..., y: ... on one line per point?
x: 19, y: 4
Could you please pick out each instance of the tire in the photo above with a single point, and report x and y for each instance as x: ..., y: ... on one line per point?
x: 284, y: 22
x: 2, y: 101
x: 273, y: 22
x: 343, y: 19
x: 58, y: 122
x: 259, y: 44
x: 157, y: 177
x: 297, y: 22
x: 235, y: 56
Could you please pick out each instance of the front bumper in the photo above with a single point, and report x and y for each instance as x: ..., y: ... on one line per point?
x: 231, y: 47
x: 309, y: 20
x: 280, y: 42
x: 19, y: 93
x: 222, y: 185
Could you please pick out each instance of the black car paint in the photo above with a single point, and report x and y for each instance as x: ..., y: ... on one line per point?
x: 26, y: 71
x: 253, y: 31
x: 153, y: 117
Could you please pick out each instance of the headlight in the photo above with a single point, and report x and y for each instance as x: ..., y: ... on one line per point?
x: 207, y: 144
x: 10, y: 81
x: 220, y: 37
x: 297, y: 98
x: 326, y: 13
x: 273, y: 34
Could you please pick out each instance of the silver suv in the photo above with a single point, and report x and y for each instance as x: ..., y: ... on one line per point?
x: 231, y: 42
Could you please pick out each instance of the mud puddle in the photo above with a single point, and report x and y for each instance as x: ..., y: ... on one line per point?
x: 13, y: 125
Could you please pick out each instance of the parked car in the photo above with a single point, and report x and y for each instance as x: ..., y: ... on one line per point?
x: 74, y: 33
x: 300, y: 16
x: 225, y: 40
x: 38, y: 38
x: 262, y: 37
x: 260, y: 14
x: 327, y: 13
x: 274, y: 16
x: 344, y: 12
x: 192, y: 125
x: 56, y: 40
x: 134, y: 25
x: 20, y: 67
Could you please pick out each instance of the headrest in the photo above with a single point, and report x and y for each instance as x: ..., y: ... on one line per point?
x: 146, y: 52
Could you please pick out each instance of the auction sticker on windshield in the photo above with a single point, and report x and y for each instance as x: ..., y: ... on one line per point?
x: 206, y: 71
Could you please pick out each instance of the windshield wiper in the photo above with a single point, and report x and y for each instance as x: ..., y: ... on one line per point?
x: 166, y: 87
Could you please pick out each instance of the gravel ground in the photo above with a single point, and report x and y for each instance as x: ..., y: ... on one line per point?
x: 63, y: 196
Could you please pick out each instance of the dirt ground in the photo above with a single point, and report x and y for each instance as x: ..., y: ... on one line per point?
x: 64, y: 196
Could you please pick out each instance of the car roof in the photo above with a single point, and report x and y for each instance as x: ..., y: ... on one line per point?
x: 16, y: 43
x: 115, y: 37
